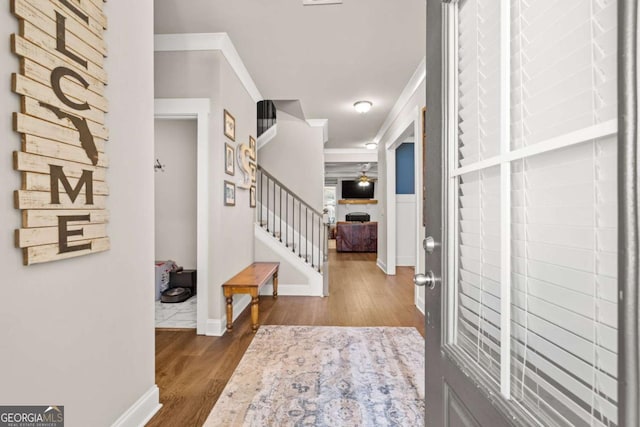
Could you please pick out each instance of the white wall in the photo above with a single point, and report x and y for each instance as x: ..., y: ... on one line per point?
x: 66, y: 339
x: 295, y: 157
x: 176, y: 192
x: 405, y: 229
x: 207, y: 74
x: 342, y: 210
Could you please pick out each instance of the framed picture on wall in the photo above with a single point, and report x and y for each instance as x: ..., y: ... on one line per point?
x: 252, y: 147
x: 229, y: 164
x: 252, y: 168
x: 229, y: 193
x: 229, y: 126
x: 252, y: 196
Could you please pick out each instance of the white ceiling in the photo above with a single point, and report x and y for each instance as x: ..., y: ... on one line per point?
x: 350, y: 170
x: 327, y: 56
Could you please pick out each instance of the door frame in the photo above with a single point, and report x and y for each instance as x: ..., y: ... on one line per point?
x: 198, y: 109
x: 412, y: 118
x: 628, y: 216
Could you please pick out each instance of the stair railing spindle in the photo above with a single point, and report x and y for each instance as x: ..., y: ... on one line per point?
x: 319, y: 242
x: 268, y: 204
x: 261, y: 189
x: 280, y: 214
x: 306, y: 234
x: 293, y: 225
x: 274, y: 209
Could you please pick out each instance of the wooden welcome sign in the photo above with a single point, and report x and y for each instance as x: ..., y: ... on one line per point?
x: 62, y: 124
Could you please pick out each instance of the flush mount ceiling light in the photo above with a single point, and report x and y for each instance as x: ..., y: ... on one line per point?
x: 371, y: 145
x: 362, y: 106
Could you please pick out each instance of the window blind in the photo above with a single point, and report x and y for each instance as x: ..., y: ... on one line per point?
x: 564, y: 313
x: 479, y: 268
x: 564, y: 236
x: 563, y: 216
x: 479, y: 81
x: 479, y: 192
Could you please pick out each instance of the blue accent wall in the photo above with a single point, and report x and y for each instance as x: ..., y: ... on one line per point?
x: 405, y: 170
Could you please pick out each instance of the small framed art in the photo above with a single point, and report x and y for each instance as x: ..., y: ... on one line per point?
x: 252, y: 168
x: 229, y: 163
x: 229, y: 126
x: 252, y: 147
x: 252, y: 196
x: 229, y: 193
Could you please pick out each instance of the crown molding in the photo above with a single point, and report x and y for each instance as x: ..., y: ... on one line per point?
x: 209, y: 41
x: 409, y: 90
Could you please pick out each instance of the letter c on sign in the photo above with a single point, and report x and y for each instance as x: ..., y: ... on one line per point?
x: 56, y: 75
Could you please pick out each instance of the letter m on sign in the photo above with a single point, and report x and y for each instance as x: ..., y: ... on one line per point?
x: 58, y: 176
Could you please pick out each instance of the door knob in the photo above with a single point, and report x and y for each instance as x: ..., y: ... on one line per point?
x: 429, y: 244
x: 428, y: 279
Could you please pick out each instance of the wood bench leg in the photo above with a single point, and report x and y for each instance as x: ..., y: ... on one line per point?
x: 254, y: 313
x: 229, y: 313
x: 275, y: 285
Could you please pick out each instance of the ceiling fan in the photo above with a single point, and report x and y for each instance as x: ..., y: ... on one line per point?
x: 364, y: 180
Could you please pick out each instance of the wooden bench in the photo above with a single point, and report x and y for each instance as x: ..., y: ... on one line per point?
x: 249, y: 281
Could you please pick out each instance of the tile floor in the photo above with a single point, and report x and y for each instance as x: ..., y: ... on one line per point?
x: 178, y: 315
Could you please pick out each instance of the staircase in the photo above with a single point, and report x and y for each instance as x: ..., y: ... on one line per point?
x: 266, y: 113
x: 291, y: 222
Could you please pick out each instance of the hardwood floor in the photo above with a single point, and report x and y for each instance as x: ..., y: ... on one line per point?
x: 192, y: 370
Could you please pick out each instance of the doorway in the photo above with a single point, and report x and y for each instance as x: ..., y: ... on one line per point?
x: 195, y: 109
x: 175, y: 150
x: 405, y: 231
x: 406, y: 227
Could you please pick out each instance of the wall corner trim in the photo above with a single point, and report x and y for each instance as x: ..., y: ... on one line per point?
x: 142, y: 410
x: 409, y: 90
x: 381, y: 265
x: 209, y: 41
x: 321, y: 123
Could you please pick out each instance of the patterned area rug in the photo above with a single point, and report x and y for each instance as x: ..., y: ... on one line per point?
x: 326, y: 376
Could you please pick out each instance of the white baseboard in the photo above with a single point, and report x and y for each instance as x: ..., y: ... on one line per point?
x: 406, y: 261
x: 381, y: 265
x: 420, y: 304
x: 142, y: 411
x: 315, y: 279
x: 290, y: 290
x: 217, y: 327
